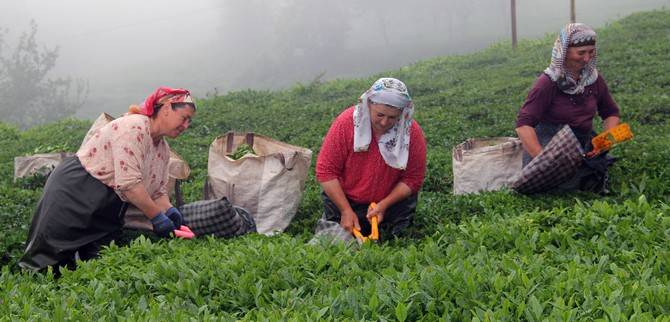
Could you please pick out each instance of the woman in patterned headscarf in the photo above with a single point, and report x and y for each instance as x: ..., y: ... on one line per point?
x: 126, y: 161
x: 373, y: 152
x: 570, y: 91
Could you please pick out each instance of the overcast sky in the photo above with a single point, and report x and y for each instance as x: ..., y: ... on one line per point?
x: 125, y: 48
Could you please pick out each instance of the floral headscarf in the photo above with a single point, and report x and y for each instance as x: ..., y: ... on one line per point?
x: 394, y: 144
x: 572, y: 35
x: 162, y: 95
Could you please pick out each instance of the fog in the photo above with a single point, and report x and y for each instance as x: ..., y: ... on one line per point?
x: 125, y: 48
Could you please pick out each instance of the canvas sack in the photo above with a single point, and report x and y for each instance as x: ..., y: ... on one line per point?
x: 556, y: 164
x: 269, y: 184
x: 177, y: 168
x: 42, y: 164
x: 485, y: 164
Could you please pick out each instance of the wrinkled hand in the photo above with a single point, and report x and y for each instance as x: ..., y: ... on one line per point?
x: 162, y: 225
x: 349, y: 221
x: 175, y: 215
x: 378, y: 211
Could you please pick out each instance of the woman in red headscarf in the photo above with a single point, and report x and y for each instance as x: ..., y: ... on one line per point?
x: 86, y: 196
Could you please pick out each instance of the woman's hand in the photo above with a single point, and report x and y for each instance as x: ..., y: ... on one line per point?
x: 378, y: 211
x: 162, y: 225
x: 349, y: 220
x: 611, y: 122
x: 175, y: 215
x: 400, y: 192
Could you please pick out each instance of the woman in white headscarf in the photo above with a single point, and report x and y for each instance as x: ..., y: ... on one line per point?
x: 373, y: 152
x: 570, y: 91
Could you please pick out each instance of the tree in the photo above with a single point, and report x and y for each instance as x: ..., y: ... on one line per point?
x: 28, y: 96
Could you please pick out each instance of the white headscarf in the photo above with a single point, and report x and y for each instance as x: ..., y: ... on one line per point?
x: 574, y: 34
x: 394, y: 144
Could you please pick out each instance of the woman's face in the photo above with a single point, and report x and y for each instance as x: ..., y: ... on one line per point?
x: 176, y: 120
x: 578, y: 57
x: 383, y: 117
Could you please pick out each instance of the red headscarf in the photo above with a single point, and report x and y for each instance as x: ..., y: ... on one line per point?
x: 180, y: 95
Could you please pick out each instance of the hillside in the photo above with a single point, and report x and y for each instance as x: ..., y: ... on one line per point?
x: 494, y: 256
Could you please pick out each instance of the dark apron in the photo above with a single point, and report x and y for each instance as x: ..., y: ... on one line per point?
x: 398, y: 217
x: 76, y: 215
x: 591, y: 175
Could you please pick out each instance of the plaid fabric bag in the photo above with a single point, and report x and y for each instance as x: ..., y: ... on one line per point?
x: 217, y: 217
x: 556, y: 164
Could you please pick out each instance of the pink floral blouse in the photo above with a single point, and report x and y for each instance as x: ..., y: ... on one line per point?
x: 122, y: 154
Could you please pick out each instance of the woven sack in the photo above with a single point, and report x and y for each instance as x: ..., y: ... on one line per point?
x: 485, y: 164
x: 269, y: 183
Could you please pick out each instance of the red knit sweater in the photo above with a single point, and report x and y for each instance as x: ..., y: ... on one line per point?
x: 364, y: 176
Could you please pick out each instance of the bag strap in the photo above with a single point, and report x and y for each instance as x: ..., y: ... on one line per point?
x: 177, y: 193
x: 249, y: 138
x: 205, y: 189
x: 229, y: 141
x: 292, y: 161
x: 230, y: 136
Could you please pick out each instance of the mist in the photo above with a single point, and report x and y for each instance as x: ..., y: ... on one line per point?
x: 125, y: 49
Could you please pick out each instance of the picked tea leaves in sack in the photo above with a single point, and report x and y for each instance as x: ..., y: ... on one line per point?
x: 242, y: 150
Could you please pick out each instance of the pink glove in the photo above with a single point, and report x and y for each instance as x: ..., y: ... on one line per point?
x: 184, y: 232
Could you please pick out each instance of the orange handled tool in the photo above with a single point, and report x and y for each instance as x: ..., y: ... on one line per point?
x: 359, y: 236
x: 607, y: 139
x: 374, y: 234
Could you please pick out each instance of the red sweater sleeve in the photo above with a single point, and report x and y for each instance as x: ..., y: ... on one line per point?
x: 416, y: 163
x: 538, y: 100
x: 606, y: 105
x: 335, y: 148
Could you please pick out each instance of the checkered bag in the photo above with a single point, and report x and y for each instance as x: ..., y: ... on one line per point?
x: 217, y: 217
x: 556, y: 164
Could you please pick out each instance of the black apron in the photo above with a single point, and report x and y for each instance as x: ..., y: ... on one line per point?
x: 76, y: 215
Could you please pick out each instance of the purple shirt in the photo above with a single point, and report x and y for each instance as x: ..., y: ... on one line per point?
x: 546, y: 103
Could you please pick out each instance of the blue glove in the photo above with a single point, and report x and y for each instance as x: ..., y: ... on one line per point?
x: 175, y: 215
x: 163, y: 226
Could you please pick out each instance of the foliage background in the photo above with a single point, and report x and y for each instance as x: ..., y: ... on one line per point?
x: 29, y: 96
x: 493, y: 256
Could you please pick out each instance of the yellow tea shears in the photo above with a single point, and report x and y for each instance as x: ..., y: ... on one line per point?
x: 374, y: 233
